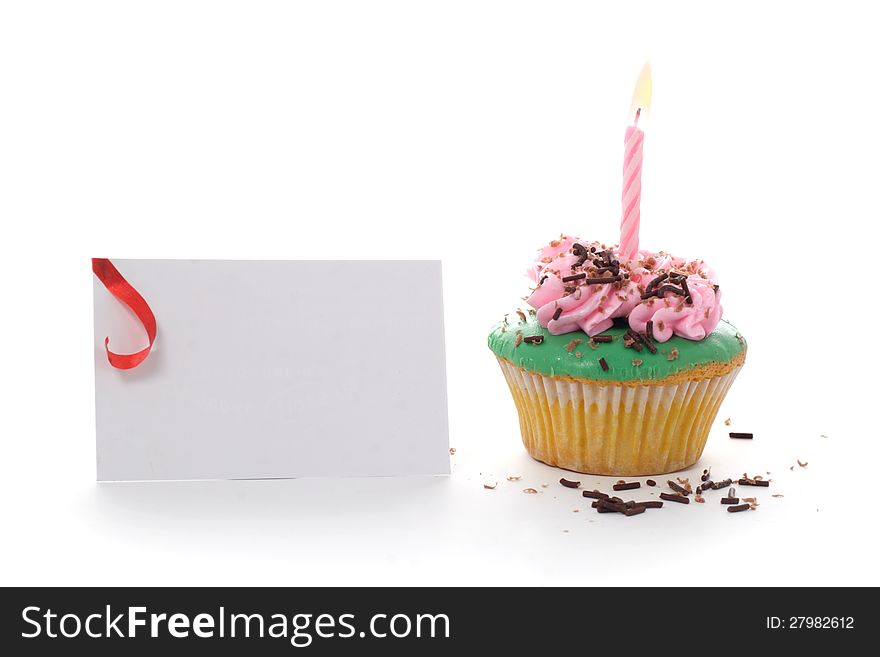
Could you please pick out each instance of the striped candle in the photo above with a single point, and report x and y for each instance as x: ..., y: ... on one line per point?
x: 630, y: 218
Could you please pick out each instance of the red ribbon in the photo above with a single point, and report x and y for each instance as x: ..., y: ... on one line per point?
x: 122, y: 290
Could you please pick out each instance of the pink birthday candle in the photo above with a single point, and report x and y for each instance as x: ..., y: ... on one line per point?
x: 630, y: 218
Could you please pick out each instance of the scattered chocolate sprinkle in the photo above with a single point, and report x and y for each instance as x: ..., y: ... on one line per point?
x: 533, y: 339
x: 730, y: 500
x: 573, y: 277
x: 687, y: 292
x: 678, y: 489
x: 722, y: 484
x: 518, y: 339
x: 601, y: 338
x: 490, y: 486
x: 753, y: 482
x: 651, y: 504
x: 649, y: 330
x: 599, y: 281
x: 595, y: 494
x: 753, y: 501
x: 608, y: 506
x: 731, y: 492
x: 636, y: 362
x: 568, y: 483
x: 739, y: 507
x: 671, y: 288
x: 631, y: 343
x: 572, y: 345
x: 522, y: 315
x: 543, y: 278
x: 656, y: 282
x: 650, y: 482
x: 514, y: 477
x: 705, y: 475
x: 673, y: 354
x: 699, y: 498
x: 649, y: 343
x: 674, y: 497
x: 635, y: 510
x: 530, y: 491
x: 737, y: 434
x: 603, y: 364
x: 803, y: 464
x: 557, y: 313
x: 578, y: 249
x: 632, y: 485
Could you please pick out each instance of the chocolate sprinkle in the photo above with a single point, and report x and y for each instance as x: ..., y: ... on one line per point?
x: 651, y: 504
x: 627, y: 486
x: 739, y: 507
x: 568, y: 483
x: 595, y: 494
x: 674, y: 497
x: 602, y: 338
x: 730, y: 500
x: 722, y: 484
x: 635, y: 510
x: 745, y: 436
x: 603, y: 364
x: 597, y: 281
x: 557, y: 313
x: 754, y: 482
x: 656, y: 282
x: 678, y: 489
x: 573, y: 277
x: 533, y: 339
x: 649, y: 330
x: 650, y: 482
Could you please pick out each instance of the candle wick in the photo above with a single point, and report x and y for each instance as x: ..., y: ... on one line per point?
x: 638, y: 114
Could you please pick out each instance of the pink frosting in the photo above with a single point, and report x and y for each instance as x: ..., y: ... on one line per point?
x: 592, y: 308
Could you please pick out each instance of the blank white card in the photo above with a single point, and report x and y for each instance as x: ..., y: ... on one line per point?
x: 274, y: 369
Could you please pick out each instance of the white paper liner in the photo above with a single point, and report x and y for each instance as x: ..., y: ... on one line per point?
x: 608, y: 428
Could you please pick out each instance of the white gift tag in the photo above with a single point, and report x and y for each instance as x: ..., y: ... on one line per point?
x: 274, y: 369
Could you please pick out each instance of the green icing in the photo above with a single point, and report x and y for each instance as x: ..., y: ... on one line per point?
x: 552, y: 358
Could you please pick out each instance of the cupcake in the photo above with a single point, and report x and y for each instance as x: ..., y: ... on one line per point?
x: 617, y: 367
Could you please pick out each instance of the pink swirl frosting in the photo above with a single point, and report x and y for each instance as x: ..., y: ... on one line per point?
x: 566, y: 306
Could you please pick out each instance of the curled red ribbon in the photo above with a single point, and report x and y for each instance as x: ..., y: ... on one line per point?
x: 122, y: 290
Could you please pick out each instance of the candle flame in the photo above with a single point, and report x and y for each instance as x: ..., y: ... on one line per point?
x: 642, y: 93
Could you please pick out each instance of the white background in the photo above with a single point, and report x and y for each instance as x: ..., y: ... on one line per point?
x: 471, y: 132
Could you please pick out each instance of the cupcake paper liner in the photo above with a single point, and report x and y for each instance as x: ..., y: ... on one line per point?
x: 615, y: 429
